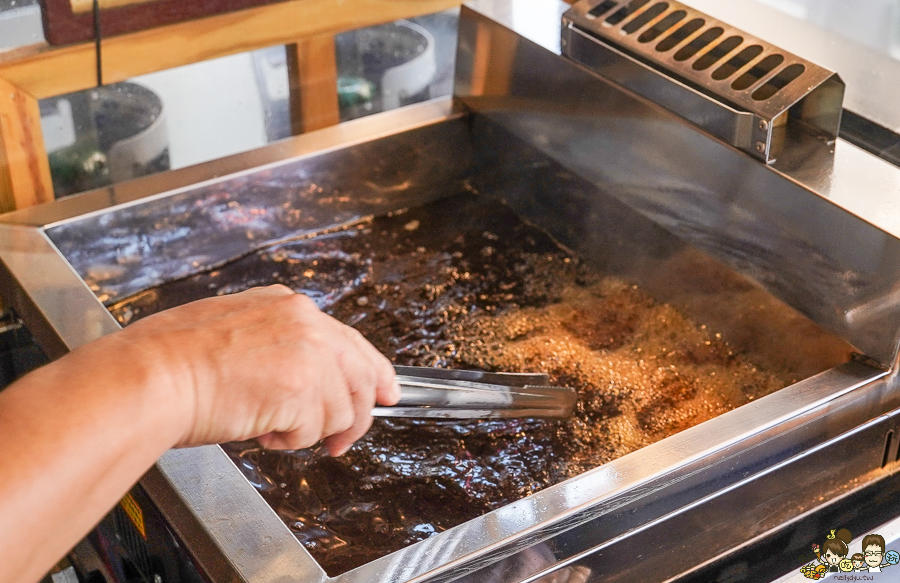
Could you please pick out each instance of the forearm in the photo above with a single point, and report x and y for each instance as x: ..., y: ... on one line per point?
x: 78, y: 433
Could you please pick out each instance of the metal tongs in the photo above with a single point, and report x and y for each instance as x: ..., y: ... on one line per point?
x: 466, y: 394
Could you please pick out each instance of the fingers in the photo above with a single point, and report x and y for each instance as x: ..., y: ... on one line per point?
x: 364, y: 370
x: 352, y: 375
x: 386, y: 391
x: 315, y: 378
x: 338, y: 410
x: 369, y: 377
x: 339, y: 443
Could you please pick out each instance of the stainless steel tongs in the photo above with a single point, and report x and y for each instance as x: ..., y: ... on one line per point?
x: 465, y: 394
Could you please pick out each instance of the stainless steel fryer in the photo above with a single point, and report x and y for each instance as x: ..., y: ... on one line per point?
x: 631, y: 187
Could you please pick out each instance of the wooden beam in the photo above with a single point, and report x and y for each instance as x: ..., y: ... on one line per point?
x: 312, y: 73
x: 24, y: 169
x: 45, y: 71
x: 236, y: 32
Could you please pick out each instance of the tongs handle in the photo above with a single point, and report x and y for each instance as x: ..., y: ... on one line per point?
x: 459, y: 394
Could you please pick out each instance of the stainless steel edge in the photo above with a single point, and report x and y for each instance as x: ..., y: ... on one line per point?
x: 657, y: 480
x: 812, y: 76
x: 647, y: 484
x: 753, y: 507
x: 231, y: 531
x: 731, y: 125
x: 62, y: 312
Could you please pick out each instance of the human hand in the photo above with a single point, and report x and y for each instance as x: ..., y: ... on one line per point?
x: 267, y: 364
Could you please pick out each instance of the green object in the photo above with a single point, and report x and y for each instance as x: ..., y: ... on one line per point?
x: 81, y: 166
x: 354, y: 91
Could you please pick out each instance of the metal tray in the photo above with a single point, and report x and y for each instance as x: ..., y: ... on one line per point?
x: 628, y: 187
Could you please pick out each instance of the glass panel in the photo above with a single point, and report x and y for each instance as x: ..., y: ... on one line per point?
x: 20, y: 23
x: 369, y: 64
x: 874, y: 23
x: 208, y: 110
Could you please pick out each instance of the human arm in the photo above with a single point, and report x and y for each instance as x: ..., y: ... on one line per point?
x: 80, y: 431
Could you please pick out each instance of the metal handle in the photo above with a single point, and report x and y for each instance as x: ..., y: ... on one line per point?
x: 460, y: 394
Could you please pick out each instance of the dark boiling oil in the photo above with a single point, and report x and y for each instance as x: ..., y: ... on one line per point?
x: 465, y: 283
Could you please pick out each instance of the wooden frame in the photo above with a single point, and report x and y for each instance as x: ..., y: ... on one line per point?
x: 72, y: 21
x: 306, y: 26
x: 24, y: 168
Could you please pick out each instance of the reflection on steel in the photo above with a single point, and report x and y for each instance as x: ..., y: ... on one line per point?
x: 737, y: 87
x: 778, y: 224
x: 632, y: 189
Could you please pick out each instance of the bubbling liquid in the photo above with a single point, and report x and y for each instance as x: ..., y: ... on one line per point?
x: 465, y: 283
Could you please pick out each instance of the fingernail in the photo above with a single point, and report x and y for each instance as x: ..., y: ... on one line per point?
x: 397, y: 392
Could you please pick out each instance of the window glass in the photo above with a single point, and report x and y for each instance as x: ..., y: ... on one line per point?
x: 874, y: 23
x: 208, y: 110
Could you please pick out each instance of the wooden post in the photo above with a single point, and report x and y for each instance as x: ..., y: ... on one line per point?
x: 24, y: 169
x: 312, y: 73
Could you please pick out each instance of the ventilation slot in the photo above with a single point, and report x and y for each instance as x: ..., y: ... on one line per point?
x: 642, y: 20
x: 739, y: 88
x: 690, y: 49
x: 757, y: 72
x: 602, y: 8
x: 778, y: 82
x: 662, y: 26
x: 623, y: 13
x: 674, y: 39
x: 715, y: 54
x: 739, y: 61
x: 887, y: 448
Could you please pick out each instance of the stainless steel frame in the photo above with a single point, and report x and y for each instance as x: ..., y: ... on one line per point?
x: 872, y: 77
x: 627, y: 185
x: 737, y: 87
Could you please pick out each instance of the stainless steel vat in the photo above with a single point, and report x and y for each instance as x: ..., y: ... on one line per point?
x: 629, y: 186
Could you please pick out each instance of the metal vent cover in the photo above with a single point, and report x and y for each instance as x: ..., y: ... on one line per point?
x: 734, y: 85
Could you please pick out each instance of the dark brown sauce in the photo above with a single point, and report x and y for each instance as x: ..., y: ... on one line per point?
x: 465, y: 283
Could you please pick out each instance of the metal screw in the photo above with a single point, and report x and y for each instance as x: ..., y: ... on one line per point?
x: 760, y: 147
x: 763, y: 125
